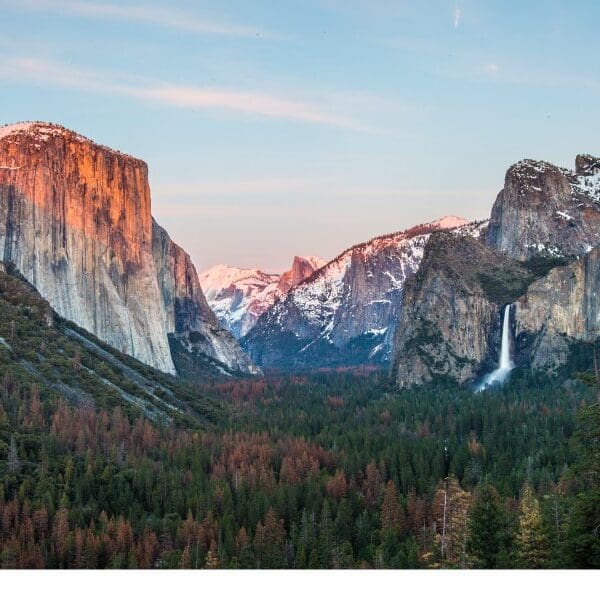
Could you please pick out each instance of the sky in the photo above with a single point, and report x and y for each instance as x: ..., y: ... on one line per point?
x: 301, y: 127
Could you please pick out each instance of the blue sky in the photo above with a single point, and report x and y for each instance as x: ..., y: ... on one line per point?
x: 274, y: 128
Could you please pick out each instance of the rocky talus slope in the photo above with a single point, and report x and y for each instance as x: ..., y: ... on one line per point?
x: 75, y: 220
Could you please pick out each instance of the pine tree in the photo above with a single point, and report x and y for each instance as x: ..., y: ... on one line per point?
x: 243, y: 550
x: 583, y: 541
x: 488, y: 535
x: 451, y: 505
x: 325, y: 538
x: 392, y: 514
x: 337, y: 486
x: 269, y: 542
x: 60, y: 535
x: 532, y: 542
x: 371, y: 487
x: 186, y: 558
x: 212, y: 557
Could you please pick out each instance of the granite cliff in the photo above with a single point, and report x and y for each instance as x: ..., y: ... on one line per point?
x: 75, y: 220
x: 547, y: 210
x: 558, y: 310
x: 450, y: 324
x: 539, y: 252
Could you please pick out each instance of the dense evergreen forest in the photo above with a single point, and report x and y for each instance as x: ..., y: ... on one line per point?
x: 332, y: 470
x: 107, y: 463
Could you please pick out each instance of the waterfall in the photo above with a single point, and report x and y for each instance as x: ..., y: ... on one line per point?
x: 505, y: 364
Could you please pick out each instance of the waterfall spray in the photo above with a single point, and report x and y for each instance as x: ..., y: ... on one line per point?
x: 505, y: 364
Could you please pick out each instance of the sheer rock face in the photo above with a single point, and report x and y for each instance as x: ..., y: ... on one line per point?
x: 189, y: 320
x: 345, y: 312
x: 75, y: 220
x: 302, y: 267
x: 450, y: 322
x: 562, y: 307
x: 546, y: 210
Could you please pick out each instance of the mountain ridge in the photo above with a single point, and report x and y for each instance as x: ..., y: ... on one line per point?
x: 345, y: 311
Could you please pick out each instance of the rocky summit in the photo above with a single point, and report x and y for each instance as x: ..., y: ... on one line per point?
x: 547, y: 210
x: 75, y: 220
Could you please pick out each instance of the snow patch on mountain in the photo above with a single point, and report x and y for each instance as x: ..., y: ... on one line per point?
x: 588, y: 185
x: 350, y: 306
x: 238, y: 296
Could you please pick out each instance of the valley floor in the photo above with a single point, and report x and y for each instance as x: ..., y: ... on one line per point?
x: 335, y: 470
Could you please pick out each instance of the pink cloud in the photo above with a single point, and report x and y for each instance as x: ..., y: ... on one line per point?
x: 240, y: 101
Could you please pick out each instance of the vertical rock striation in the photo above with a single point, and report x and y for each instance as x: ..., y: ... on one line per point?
x: 450, y: 322
x: 192, y: 326
x: 75, y: 220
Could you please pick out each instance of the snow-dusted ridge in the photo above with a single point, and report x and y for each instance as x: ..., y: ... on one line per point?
x: 42, y: 131
x: 348, y: 307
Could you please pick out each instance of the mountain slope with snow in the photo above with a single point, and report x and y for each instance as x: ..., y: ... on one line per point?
x: 239, y: 296
x: 346, y: 311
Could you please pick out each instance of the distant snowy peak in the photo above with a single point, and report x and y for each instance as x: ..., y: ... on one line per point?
x: 220, y: 277
x: 238, y: 296
x: 449, y: 222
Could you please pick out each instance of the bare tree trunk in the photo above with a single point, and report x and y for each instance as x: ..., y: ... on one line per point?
x: 444, y: 523
x: 556, y: 522
x: 596, y: 375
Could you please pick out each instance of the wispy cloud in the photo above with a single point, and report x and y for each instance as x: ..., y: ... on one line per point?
x: 457, y: 16
x: 168, y: 18
x: 34, y: 70
x: 491, y: 68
